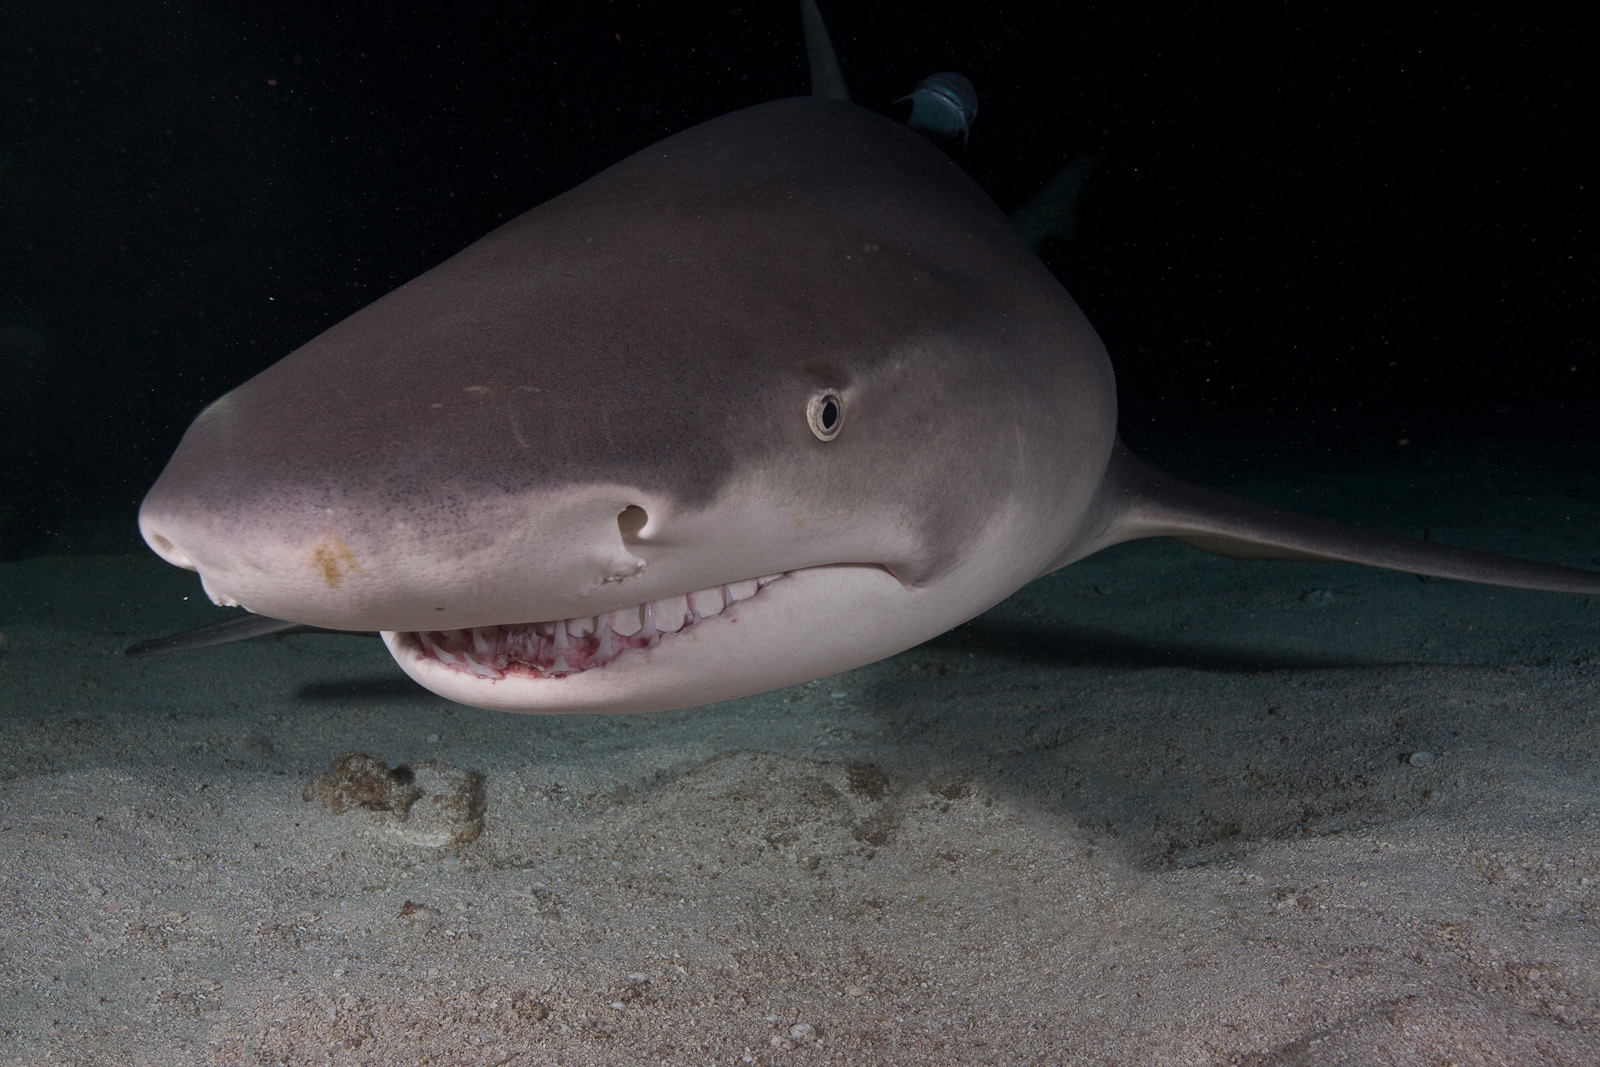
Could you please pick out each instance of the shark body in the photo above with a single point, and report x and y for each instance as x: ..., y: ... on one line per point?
x: 776, y: 397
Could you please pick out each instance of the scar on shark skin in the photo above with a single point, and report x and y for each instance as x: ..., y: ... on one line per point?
x: 334, y: 560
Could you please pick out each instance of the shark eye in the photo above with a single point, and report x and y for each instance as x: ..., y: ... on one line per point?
x: 825, y: 413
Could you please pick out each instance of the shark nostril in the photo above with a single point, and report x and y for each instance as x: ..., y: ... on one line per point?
x: 167, y: 550
x: 630, y: 521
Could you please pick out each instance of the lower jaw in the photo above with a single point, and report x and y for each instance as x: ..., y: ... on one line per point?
x: 567, y: 647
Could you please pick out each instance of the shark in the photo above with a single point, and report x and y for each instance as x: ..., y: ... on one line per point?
x: 779, y: 396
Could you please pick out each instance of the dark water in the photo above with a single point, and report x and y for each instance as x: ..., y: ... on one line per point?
x: 1322, y: 237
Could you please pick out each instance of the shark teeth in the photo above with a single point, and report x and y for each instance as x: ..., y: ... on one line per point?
x: 568, y: 646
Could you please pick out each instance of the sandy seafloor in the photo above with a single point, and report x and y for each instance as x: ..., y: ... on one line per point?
x: 1158, y: 808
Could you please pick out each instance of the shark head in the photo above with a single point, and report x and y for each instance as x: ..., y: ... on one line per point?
x: 776, y: 397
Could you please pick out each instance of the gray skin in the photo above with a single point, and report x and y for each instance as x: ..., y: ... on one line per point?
x: 604, y: 403
x: 458, y: 454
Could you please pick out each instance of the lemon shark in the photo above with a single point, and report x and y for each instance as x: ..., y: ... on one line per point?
x: 779, y: 396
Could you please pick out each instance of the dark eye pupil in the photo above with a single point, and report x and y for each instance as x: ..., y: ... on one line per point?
x: 830, y: 414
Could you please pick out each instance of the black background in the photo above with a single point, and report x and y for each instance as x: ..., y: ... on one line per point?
x: 1314, y: 234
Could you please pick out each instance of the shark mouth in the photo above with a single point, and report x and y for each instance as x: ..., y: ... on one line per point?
x: 570, y: 646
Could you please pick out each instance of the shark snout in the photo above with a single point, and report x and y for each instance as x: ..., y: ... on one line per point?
x: 163, y: 537
x: 430, y: 557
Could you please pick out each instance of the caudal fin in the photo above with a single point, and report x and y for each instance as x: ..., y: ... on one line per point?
x: 1140, y: 501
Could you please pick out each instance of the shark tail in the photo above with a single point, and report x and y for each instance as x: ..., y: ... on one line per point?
x: 827, y: 77
x: 1139, y: 501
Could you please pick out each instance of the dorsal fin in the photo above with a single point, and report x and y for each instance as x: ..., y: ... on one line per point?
x: 827, y: 79
x: 1139, y: 501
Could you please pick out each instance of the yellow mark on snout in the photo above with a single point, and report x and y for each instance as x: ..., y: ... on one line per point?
x: 333, y: 560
